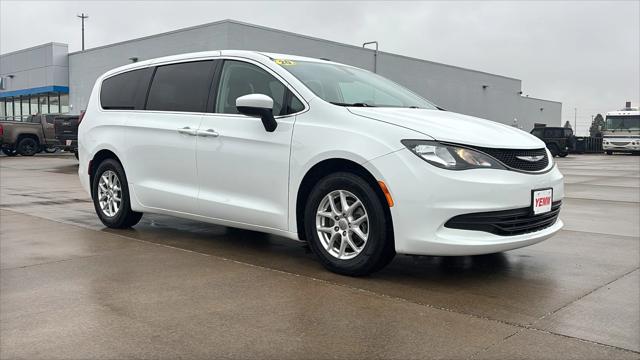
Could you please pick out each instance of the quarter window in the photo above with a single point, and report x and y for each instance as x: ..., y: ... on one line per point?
x: 125, y: 91
x: 240, y: 78
x: 181, y: 87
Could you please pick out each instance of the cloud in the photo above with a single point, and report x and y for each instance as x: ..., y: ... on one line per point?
x: 584, y: 54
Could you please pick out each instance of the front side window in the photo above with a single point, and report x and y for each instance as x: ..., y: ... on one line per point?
x: 239, y: 78
x: 181, y: 87
x: 348, y: 86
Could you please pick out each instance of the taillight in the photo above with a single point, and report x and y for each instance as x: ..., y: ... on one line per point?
x: 1, y: 130
x: 82, y: 112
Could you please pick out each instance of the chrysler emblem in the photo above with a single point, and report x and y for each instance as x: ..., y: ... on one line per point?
x: 531, y: 158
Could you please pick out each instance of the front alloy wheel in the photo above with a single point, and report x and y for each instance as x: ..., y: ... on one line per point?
x: 342, y: 224
x: 347, y: 225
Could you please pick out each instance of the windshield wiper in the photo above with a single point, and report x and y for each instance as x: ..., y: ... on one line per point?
x: 358, y: 104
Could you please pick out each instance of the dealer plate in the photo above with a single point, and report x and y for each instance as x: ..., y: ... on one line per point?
x: 542, y: 200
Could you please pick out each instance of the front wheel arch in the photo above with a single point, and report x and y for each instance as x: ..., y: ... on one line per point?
x: 324, y: 168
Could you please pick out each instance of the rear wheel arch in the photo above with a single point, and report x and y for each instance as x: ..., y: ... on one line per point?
x: 324, y: 168
x: 98, y: 158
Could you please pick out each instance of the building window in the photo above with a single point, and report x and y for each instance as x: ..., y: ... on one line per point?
x: 2, y: 111
x: 34, y: 104
x: 25, y: 107
x: 54, y: 103
x: 44, y: 104
x: 9, y: 108
x: 64, y: 103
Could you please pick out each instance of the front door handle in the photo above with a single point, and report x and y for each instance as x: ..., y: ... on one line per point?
x: 208, y: 133
x: 188, y: 131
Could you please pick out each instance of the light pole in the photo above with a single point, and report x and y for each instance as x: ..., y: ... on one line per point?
x: 83, y: 16
x: 575, y: 120
x: 375, y: 54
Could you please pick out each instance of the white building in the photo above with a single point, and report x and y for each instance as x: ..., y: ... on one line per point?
x: 47, y: 71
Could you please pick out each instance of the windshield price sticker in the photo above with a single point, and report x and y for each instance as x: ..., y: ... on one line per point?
x: 284, y: 62
x: 542, y: 200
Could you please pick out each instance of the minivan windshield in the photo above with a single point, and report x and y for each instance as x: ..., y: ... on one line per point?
x: 349, y: 86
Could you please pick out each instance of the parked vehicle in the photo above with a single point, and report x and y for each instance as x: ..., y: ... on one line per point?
x: 66, y: 132
x: 621, y: 131
x: 28, y: 137
x: 559, y: 140
x: 313, y: 150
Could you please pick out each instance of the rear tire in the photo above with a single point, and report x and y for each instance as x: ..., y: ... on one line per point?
x: 28, y: 146
x: 368, y: 244
x: 50, y: 150
x: 10, y: 152
x: 110, y: 193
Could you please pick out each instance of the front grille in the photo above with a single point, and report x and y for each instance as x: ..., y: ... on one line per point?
x: 618, y: 143
x: 509, y: 158
x: 506, y: 222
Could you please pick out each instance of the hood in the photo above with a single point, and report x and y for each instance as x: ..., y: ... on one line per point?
x: 455, y: 128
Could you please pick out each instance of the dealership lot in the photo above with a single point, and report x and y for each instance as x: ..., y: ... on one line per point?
x: 176, y: 288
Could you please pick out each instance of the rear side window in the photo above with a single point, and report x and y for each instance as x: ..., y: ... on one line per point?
x: 181, y: 87
x: 553, y: 133
x: 125, y: 91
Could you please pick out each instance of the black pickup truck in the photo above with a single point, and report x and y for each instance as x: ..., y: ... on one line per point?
x: 66, y: 132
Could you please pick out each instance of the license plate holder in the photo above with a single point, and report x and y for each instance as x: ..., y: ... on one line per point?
x: 541, y: 200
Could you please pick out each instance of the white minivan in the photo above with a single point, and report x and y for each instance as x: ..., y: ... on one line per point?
x: 356, y: 165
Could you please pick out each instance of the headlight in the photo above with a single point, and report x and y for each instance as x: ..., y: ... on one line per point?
x: 450, y: 156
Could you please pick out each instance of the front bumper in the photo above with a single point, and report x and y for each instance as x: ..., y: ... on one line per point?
x: 426, y: 197
x: 627, y: 147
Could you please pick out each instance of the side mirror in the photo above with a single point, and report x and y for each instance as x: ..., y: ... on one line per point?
x: 258, y: 105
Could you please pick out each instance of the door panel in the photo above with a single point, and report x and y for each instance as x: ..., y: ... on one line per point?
x: 161, y: 159
x: 244, y: 171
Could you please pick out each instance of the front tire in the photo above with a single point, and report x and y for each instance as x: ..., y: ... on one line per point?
x: 110, y: 193
x: 50, y: 150
x: 347, y: 226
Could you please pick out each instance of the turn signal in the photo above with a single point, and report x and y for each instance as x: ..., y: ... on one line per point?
x: 386, y: 193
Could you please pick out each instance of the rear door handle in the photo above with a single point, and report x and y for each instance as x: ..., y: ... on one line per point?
x: 188, y: 131
x: 207, y: 133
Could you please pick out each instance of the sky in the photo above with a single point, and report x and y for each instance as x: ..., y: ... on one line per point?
x: 585, y: 54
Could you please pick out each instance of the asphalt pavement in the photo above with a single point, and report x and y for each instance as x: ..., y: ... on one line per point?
x: 172, y: 288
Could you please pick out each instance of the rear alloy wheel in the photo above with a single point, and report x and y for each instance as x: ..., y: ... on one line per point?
x: 27, y: 146
x: 50, y: 150
x: 347, y: 226
x: 110, y: 194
